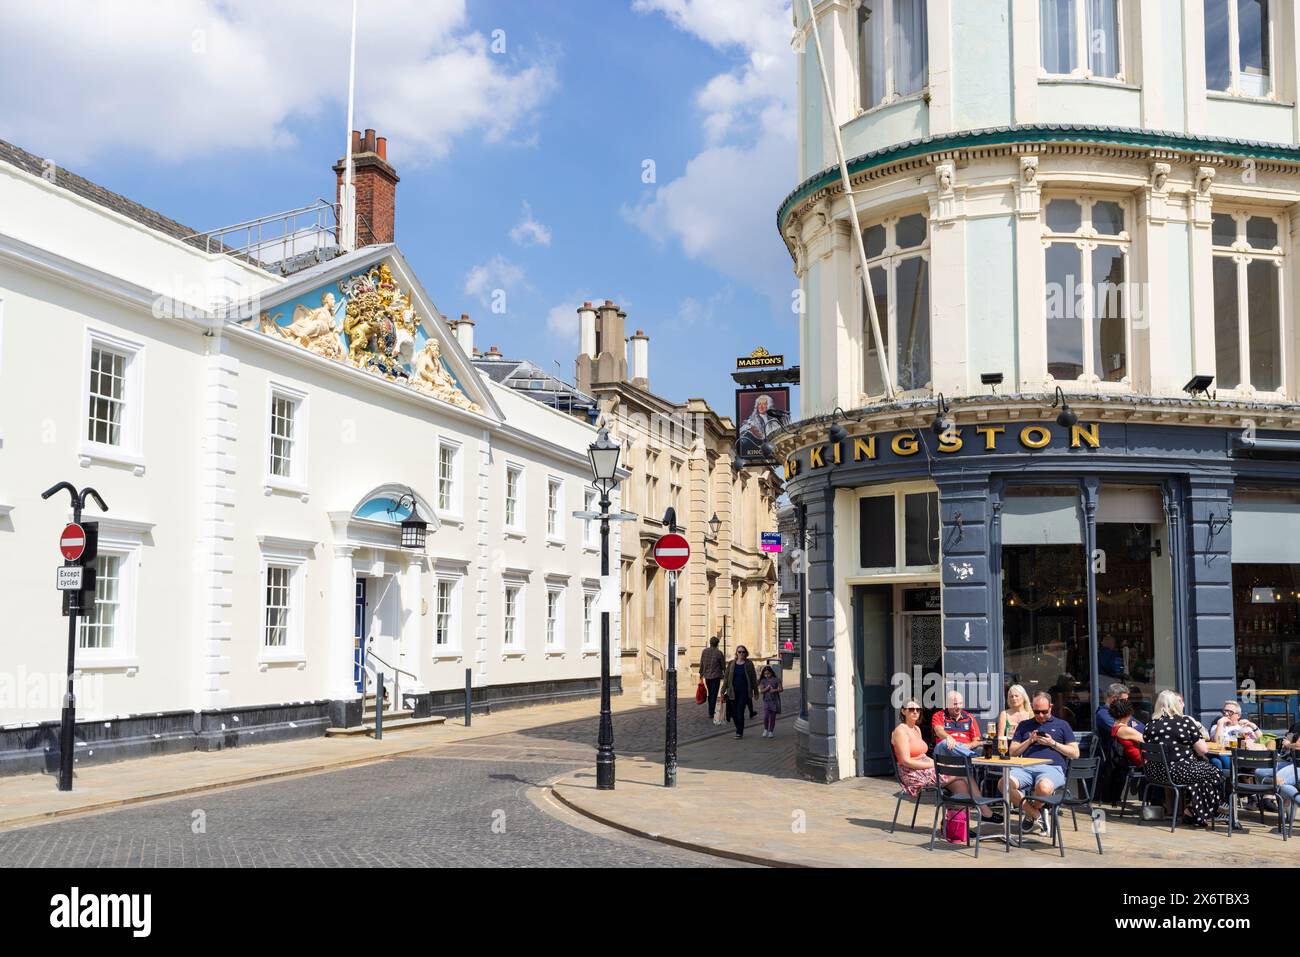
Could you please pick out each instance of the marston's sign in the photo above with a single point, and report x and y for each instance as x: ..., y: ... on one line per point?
x: 969, y: 439
x: 759, y: 359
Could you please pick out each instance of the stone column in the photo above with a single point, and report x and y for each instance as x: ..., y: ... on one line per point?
x: 815, y: 743
x: 343, y: 602
x: 412, y: 657
x: 970, y: 597
x: 1208, y: 666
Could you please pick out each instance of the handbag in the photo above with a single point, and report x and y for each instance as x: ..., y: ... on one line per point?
x: 727, y: 704
x: 701, y: 695
x: 954, y: 826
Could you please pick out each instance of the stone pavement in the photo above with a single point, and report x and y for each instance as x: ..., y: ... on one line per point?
x: 563, y: 732
x: 743, y: 799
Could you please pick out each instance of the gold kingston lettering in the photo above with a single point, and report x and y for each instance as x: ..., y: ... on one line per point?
x: 904, y: 443
x: 990, y: 433
x: 815, y: 458
x: 950, y: 442
x: 791, y: 467
x: 1091, y: 434
x: 1034, y: 436
x: 864, y: 447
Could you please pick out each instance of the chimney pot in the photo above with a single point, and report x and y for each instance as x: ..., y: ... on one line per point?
x: 609, y: 302
x: 370, y: 141
x: 381, y: 147
x: 375, y: 183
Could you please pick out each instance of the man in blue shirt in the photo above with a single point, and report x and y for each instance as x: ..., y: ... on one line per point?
x: 1041, y: 736
x: 1106, y: 721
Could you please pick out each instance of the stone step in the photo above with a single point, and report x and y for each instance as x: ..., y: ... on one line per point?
x: 369, y: 716
x: 400, y: 724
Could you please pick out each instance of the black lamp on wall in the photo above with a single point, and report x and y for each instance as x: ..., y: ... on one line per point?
x: 1067, y: 417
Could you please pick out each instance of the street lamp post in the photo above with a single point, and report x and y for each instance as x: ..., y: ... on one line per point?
x: 604, y: 470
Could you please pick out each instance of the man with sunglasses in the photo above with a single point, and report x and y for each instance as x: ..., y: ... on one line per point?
x: 1041, y: 736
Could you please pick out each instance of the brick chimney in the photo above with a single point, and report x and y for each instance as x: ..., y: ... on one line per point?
x: 376, y: 186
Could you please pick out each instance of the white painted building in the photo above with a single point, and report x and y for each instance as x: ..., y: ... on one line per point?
x: 256, y: 477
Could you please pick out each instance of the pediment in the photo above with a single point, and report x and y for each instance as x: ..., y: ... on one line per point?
x: 368, y: 311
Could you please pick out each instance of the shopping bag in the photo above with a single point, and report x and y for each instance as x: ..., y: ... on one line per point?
x: 701, y: 695
x: 727, y: 709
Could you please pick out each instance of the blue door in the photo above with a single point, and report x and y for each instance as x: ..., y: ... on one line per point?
x: 873, y: 643
x: 359, y: 638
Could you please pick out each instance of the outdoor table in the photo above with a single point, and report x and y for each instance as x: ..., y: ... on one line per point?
x: 1261, y: 696
x: 1006, y: 764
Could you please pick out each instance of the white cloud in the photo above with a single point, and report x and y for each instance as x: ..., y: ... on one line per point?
x: 562, y: 320
x: 721, y: 208
x: 529, y: 232
x: 498, y: 273
x: 176, y: 79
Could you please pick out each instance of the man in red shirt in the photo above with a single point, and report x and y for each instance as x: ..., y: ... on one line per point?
x: 955, y: 729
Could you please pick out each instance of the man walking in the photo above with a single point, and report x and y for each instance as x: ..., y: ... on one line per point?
x: 712, y: 665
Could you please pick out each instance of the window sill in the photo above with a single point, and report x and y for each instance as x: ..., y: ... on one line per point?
x: 93, y: 453
x: 273, y: 484
x: 448, y: 654
x: 555, y: 652
x: 893, y: 100
x: 590, y: 652
x: 591, y: 549
x: 1067, y: 79
x: 515, y: 534
x: 1246, y: 98
x: 131, y: 665
x: 267, y: 661
x: 556, y: 541
x: 456, y: 520
x: 512, y: 653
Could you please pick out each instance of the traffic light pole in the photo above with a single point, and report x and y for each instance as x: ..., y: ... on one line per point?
x: 67, y: 742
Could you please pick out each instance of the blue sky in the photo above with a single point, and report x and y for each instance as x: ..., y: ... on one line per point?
x: 522, y: 169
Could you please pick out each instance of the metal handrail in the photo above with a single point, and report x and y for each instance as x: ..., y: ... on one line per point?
x: 397, y: 681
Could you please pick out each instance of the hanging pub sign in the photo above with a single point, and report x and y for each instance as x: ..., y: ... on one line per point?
x: 760, y: 358
x: 760, y: 414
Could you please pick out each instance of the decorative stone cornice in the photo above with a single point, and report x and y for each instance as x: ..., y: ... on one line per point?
x: 921, y: 156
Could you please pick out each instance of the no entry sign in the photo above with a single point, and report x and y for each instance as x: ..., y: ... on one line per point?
x: 72, y: 542
x: 672, y: 552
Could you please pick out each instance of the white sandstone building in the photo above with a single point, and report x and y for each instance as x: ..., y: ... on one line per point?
x: 258, y: 460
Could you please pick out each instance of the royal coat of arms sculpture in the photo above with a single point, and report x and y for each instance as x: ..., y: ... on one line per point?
x: 381, y: 325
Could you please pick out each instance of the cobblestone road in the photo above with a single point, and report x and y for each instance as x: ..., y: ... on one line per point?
x: 456, y: 805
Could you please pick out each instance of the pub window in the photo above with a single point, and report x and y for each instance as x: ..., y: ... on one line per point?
x: 1086, y: 290
x: 1080, y: 38
x: 898, y: 530
x: 1248, y: 284
x: 893, y: 50
x: 1266, y: 595
x: 1045, y: 644
x: 1238, y: 47
x: 898, y: 260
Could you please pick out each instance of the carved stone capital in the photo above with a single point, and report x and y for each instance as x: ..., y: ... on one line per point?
x: 1028, y: 192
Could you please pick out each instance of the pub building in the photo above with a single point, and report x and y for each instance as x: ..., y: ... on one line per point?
x: 992, y: 554
x: 1050, y: 434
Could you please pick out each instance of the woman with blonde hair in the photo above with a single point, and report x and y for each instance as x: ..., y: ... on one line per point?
x: 1016, y: 711
x: 1184, y: 747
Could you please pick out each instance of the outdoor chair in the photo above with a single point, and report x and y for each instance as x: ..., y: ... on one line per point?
x: 1135, y: 782
x: 1159, y: 754
x: 926, y: 790
x: 960, y: 769
x: 1290, y: 805
x: 1080, y: 786
x: 1243, y: 782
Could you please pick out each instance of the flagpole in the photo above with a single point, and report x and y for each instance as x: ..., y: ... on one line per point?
x: 348, y: 227
x: 853, y: 207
